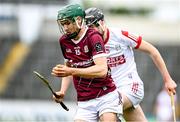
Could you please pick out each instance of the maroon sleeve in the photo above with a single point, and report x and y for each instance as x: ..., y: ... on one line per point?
x: 62, y: 46
x: 97, y: 44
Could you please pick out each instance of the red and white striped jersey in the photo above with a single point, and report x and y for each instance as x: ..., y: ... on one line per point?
x: 119, y: 47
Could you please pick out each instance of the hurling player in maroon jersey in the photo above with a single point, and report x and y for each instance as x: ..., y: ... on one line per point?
x: 85, y: 62
x: 119, y: 47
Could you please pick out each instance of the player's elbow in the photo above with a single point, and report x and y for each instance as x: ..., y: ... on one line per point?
x: 154, y: 53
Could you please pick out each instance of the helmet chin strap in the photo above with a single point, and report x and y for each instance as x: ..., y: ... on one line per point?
x: 78, y: 24
x: 74, y: 35
x: 102, y: 27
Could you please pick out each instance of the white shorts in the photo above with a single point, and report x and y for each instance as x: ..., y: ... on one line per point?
x: 134, y: 90
x: 91, y: 110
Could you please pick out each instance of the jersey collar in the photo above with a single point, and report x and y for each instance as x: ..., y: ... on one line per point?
x: 77, y: 41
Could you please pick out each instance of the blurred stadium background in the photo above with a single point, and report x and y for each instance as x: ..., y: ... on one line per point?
x: 29, y: 41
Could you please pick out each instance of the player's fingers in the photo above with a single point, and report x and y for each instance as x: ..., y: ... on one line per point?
x: 57, y: 69
x: 62, y: 74
x: 57, y: 99
x: 59, y: 65
x: 60, y: 95
x: 171, y: 91
x: 174, y: 92
x: 57, y: 72
x: 54, y: 72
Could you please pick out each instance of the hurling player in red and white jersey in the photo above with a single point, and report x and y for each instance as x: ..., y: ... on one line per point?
x: 119, y: 46
x: 84, y: 53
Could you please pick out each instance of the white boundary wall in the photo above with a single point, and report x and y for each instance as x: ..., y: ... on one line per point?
x: 35, y: 111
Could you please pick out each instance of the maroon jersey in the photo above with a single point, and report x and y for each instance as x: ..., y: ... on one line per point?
x: 80, y: 54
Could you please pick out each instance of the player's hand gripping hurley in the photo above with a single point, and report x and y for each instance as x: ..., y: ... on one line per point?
x: 173, y: 107
x: 48, y: 85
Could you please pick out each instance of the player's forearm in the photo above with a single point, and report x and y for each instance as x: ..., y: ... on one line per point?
x: 98, y: 70
x: 157, y: 59
x: 160, y: 64
x: 95, y: 71
x: 170, y: 84
x: 65, y: 84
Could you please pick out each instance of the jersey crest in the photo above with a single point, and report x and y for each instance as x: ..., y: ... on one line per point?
x: 118, y: 47
x: 86, y: 49
x: 98, y: 47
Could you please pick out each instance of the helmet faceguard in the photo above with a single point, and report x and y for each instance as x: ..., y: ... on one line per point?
x: 61, y: 24
x: 68, y: 15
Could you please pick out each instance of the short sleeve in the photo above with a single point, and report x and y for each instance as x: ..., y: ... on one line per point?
x: 62, y: 48
x: 131, y: 39
x: 97, y: 45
